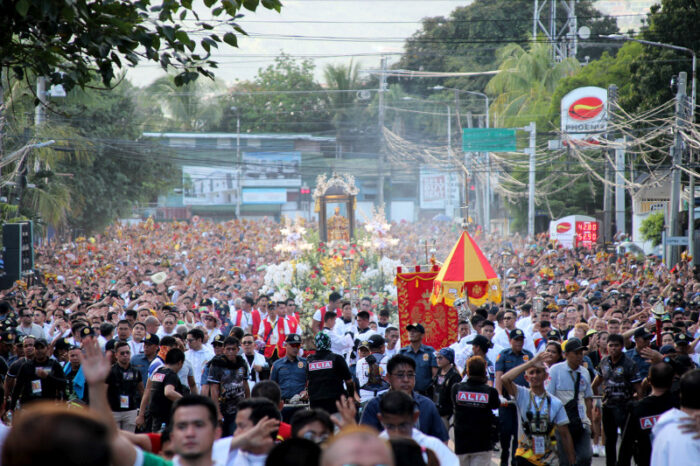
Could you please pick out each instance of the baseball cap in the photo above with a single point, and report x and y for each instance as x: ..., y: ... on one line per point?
x: 642, y: 333
x: 517, y: 333
x: 482, y: 341
x: 682, y: 339
x: 151, y: 339
x: 448, y: 353
x: 574, y: 344
x: 553, y: 335
x: 218, y: 340
x: 375, y: 341
x: 415, y: 326
x: 293, y: 338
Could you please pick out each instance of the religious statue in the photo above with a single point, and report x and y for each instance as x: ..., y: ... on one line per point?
x: 338, y: 227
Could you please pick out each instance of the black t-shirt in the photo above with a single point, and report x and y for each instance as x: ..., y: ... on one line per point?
x: 122, y: 388
x: 160, y: 404
x: 473, y: 405
x: 326, y: 372
x: 231, y: 376
x: 636, y: 439
x: 31, y: 387
x: 13, y: 370
x: 442, y: 394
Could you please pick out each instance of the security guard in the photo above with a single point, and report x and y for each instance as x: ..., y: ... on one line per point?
x: 124, y: 388
x: 508, y: 414
x: 636, y: 438
x: 620, y: 378
x: 474, y: 402
x: 290, y: 374
x: 326, y: 372
x: 424, y: 356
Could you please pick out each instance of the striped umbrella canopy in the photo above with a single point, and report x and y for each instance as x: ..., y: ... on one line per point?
x: 466, y: 269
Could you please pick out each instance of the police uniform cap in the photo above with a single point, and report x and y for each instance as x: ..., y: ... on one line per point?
x: 293, y: 338
x: 517, y: 333
x: 151, y: 339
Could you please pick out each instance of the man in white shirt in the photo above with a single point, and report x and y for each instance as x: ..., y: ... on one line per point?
x: 398, y: 415
x: 198, y: 355
x: 168, y: 327
x: 391, y: 335
x: 675, y: 432
x: 341, y: 343
x: 317, y: 319
x: 509, y: 322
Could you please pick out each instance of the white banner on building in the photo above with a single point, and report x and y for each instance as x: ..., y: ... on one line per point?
x: 438, y: 188
x: 209, y: 185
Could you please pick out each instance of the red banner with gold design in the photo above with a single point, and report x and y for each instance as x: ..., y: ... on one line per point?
x: 440, y: 321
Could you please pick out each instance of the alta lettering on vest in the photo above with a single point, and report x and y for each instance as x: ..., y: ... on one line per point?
x: 648, y: 422
x: 473, y: 397
x: 320, y: 365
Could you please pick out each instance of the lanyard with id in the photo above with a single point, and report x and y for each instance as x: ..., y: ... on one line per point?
x: 539, y: 425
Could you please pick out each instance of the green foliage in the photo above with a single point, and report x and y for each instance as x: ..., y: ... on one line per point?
x: 671, y: 22
x: 68, y: 40
x: 525, y: 85
x: 263, y: 110
x: 470, y: 37
x: 652, y: 227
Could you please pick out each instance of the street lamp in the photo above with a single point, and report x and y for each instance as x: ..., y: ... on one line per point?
x: 487, y: 197
x: 676, y: 181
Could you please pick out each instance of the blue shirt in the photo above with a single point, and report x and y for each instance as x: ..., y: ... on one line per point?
x: 290, y: 376
x: 507, y: 359
x: 642, y: 364
x: 425, y: 361
x: 141, y: 363
x: 429, y: 421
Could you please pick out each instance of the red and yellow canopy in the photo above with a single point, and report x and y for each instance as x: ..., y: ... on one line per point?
x: 466, y: 268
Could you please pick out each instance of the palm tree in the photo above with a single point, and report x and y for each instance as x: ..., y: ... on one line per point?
x: 525, y: 85
x: 195, y: 106
x: 342, y: 104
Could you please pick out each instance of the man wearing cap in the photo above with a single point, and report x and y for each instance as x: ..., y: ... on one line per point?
x: 563, y: 378
x: 620, y: 379
x: 443, y: 381
x: 508, y: 359
x: 362, y: 332
x: 326, y: 372
x: 142, y: 361
x: 643, y: 414
x: 40, y: 378
x: 424, y: 356
x: 642, y: 339
x: 228, y: 383
x: 290, y: 374
x: 370, y: 371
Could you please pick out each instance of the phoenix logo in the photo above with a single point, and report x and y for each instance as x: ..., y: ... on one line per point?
x: 586, y: 108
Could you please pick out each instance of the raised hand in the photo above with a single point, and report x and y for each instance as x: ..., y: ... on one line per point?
x: 95, y: 365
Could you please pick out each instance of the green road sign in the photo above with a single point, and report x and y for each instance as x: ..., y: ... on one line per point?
x: 488, y: 140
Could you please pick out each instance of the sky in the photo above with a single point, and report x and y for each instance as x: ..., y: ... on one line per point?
x: 325, y: 27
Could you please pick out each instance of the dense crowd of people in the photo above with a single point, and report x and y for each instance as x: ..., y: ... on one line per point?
x: 152, y: 344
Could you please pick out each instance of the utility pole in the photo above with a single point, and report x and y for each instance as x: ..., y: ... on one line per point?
x: 620, y: 186
x: 239, y: 162
x: 676, y: 156
x: 532, y: 128
x: 380, y: 154
x: 39, y: 111
x: 607, y: 191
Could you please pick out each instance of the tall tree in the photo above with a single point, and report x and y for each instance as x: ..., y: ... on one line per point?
x: 470, y: 37
x: 525, y: 85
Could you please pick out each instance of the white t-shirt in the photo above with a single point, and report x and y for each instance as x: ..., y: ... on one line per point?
x: 670, y: 446
x: 443, y: 453
x: 198, y: 360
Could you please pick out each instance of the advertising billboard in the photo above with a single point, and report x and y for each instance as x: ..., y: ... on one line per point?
x: 272, y: 169
x: 583, y: 115
x: 575, y: 231
x: 209, y: 185
x: 438, y: 188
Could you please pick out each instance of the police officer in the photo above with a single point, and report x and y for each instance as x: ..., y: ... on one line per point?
x: 474, y: 402
x: 508, y: 414
x: 326, y: 372
x: 424, y: 356
x: 620, y: 379
x: 636, y: 438
x: 124, y: 388
x: 290, y: 374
